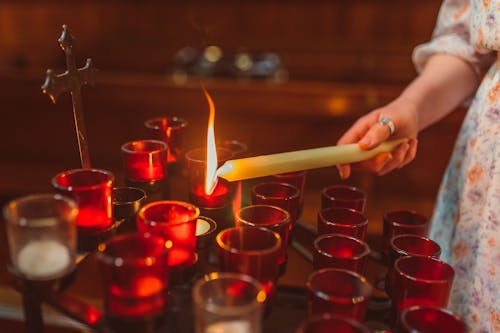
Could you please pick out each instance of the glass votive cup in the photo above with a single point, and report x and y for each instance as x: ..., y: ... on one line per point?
x: 269, y: 217
x: 326, y: 323
x: 297, y: 179
x: 420, y: 280
x: 427, y: 319
x: 253, y: 251
x: 399, y: 222
x: 349, y: 222
x: 134, y: 274
x: 175, y: 221
x: 42, y: 236
x: 282, y: 195
x: 92, y: 190
x: 340, y: 251
x: 171, y: 131
x: 237, y: 148
x: 344, y: 196
x: 126, y: 203
x: 144, y: 160
x: 228, y: 302
x: 339, y: 292
x: 196, y: 164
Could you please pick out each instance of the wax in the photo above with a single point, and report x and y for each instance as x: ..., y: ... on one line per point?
x: 234, y: 326
x: 202, y: 227
x: 267, y: 165
x: 43, y: 259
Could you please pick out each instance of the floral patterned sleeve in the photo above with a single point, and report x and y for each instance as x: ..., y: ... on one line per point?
x: 452, y: 35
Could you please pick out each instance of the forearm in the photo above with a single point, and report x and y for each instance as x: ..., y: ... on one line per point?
x: 445, y: 82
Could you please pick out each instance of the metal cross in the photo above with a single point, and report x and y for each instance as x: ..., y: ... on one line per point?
x: 72, y: 80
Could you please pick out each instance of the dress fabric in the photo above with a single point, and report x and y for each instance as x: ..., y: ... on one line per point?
x: 466, y: 220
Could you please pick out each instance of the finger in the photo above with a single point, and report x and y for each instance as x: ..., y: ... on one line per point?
x: 412, y: 152
x: 398, y: 154
x: 377, y: 134
x: 358, y: 129
x: 374, y: 164
x: 344, y: 170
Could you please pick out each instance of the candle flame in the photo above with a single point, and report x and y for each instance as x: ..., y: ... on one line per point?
x: 211, y: 159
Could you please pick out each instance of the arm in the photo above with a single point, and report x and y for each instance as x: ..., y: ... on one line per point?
x: 445, y: 82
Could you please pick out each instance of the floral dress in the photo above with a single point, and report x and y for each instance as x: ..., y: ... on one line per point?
x: 466, y: 221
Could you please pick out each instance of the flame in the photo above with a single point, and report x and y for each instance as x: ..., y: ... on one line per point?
x: 211, y: 165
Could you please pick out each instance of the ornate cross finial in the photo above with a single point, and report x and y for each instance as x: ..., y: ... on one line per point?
x: 72, y: 80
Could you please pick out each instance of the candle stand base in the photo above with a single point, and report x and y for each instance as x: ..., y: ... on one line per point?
x: 152, y: 324
x: 156, y: 190
x: 88, y: 241
x: 223, y: 216
x: 184, y: 274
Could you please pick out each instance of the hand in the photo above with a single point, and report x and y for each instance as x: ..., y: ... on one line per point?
x: 369, y: 133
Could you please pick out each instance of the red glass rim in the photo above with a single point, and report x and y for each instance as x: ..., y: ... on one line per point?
x: 243, y: 215
x: 236, y: 147
x: 313, y: 323
x: 276, y: 191
x: 199, y: 155
x: 343, y: 193
x: 412, y: 317
x: 166, y: 122
x: 154, y: 212
x: 405, y: 218
x: 345, y: 216
x: 144, y: 147
x: 361, y: 246
x: 241, y: 232
x: 415, y: 267
x: 364, y: 289
x: 400, y: 244
x: 108, y: 251
x: 82, y: 179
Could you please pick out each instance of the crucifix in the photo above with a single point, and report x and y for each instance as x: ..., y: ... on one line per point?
x: 72, y: 80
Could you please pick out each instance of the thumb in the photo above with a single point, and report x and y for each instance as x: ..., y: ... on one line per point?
x: 377, y: 134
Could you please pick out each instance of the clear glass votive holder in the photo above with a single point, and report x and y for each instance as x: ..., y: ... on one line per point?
x: 196, y: 164
x: 340, y: 251
x: 297, y: 179
x: 344, y: 196
x: 135, y: 275
x: 170, y: 130
x: 253, y: 251
x: 92, y: 190
x: 398, y: 222
x: 126, y: 203
x: 420, y: 280
x: 228, y: 302
x: 326, y: 323
x: 345, y: 221
x: 427, y: 319
x: 42, y: 236
x: 269, y: 217
x: 174, y: 221
x: 144, y: 160
x: 339, y: 292
x: 282, y: 195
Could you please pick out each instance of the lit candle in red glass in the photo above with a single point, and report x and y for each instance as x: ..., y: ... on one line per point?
x: 339, y: 292
x: 196, y: 164
x: 343, y: 196
x: 170, y: 130
x: 326, y: 323
x: 92, y: 190
x: 175, y: 221
x: 340, y: 251
x: 420, y: 280
x: 427, y: 319
x: 135, y: 275
x: 399, y: 222
x: 144, y: 160
x: 344, y: 221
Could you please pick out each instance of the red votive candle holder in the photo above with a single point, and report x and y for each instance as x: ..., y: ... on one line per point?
x: 196, y: 164
x: 253, y: 251
x: 339, y: 292
x: 427, y: 319
x: 282, y: 195
x: 175, y: 221
x: 237, y: 148
x: 398, y: 222
x: 144, y: 160
x: 345, y: 221
x: 135, y: 275
x: 270, y: 217
x: 340, y: 251
x: 344, y: 196
x: 297, y: 179
x: 419, y: 280
x: 326, y: 323
x: 92, y: 190
x: 171, y: 131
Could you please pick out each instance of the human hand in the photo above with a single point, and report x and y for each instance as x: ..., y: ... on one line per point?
x: 368, y: 132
